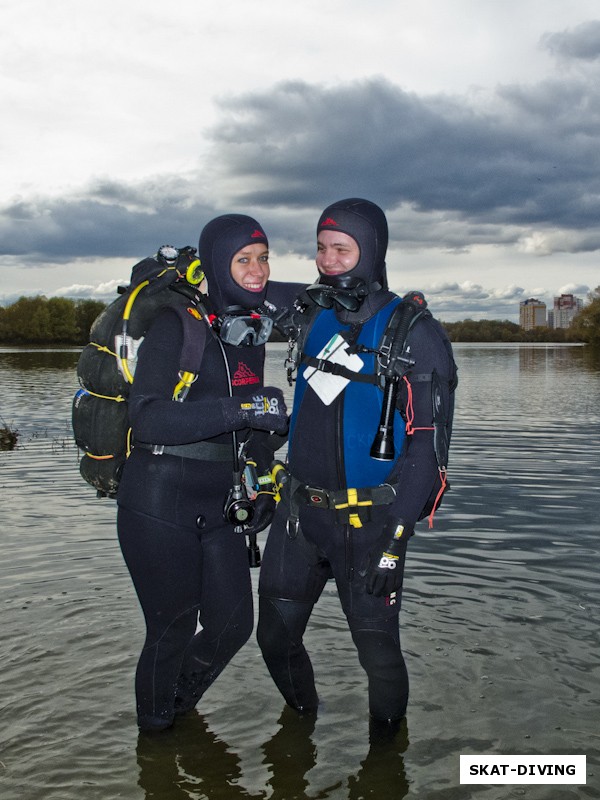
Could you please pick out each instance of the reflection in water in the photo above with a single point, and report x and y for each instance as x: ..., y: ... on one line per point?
x: 39, y: 360
x: 382, y: 773
x: 290, y: 754
x: 558, y: 359
x: 189, y: 761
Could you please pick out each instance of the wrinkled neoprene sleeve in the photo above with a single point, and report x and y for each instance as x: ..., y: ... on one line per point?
x: 282, y: 294
x: 155, y: 417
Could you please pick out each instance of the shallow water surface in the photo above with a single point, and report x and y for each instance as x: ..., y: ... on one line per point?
x: 500, y: 620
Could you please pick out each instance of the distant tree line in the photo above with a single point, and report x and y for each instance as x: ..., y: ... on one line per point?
x: 494, y: 330
x: 58, y: 320
x: 42, y: 320
x: 586, y: 325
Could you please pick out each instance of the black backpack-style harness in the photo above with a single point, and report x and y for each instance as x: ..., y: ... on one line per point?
x: 106, y: 366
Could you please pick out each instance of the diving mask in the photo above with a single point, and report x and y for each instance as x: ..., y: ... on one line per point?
x: 242, y: 328
x: 343, y: 299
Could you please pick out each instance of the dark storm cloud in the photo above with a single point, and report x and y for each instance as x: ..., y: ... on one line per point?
x: 582, y: 42
x: 527, y: 156
x: 109, y: 219
x: 452, y: 171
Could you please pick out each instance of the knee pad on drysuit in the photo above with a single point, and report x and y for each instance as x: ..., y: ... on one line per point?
x: 207, y: 656
x: 380, y: 656
x: 281, y: 624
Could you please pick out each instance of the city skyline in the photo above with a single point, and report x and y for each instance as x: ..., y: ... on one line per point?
x: 534, y: 313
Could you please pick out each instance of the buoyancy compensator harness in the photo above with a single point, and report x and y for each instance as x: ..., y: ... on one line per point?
x: 392, y: 367
x: 106, y: 366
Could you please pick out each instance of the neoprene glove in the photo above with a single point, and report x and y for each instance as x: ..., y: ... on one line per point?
x: 264, y: 509
x: 264, y: 410
x: 386, y: 560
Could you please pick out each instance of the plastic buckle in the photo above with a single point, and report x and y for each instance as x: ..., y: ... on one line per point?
x: 317, y: 497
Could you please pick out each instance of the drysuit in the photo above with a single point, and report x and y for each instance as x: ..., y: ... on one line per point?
x: 190, y: 569
x: 329, y: 452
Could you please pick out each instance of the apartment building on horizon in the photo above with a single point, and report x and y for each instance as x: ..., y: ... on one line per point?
x: 566, y: 307
x: 532, y: 314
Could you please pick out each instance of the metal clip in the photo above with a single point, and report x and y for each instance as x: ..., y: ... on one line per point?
x: 290, y: 362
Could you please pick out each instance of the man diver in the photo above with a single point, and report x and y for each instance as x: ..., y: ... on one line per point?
x: 354, y: 497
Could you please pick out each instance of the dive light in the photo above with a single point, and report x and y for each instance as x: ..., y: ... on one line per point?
x: 382, y: 448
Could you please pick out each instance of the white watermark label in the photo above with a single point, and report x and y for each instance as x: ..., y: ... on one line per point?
x: 523, y: 769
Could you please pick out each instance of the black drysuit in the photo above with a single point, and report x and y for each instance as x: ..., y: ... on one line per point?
x: 329, y: 449
x: 190, y: 569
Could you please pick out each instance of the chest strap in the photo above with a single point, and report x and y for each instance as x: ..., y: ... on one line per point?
x: 333, y: 368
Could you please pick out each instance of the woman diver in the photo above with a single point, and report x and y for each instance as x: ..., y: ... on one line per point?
x: 188, y: 564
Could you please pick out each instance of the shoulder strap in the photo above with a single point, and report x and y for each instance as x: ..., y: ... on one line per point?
x: 393, y: 342
x: 306, y: 320
x: 194, y: 339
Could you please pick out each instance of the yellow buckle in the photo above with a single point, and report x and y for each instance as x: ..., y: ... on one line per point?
x: 353, y: 502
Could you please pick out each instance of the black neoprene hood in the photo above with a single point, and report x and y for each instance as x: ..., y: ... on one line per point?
x: 365, y: 222
x: 220, y: 240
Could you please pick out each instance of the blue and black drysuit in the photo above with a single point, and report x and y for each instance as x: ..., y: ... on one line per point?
x: 189, y: 568
x: 329, y: 451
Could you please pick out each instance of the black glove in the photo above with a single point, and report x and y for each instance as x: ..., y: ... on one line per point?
x: 386, y: 560
x: 264, y: 509
x: 264, y: 410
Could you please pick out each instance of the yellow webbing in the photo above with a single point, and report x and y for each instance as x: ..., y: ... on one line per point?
x: 118, y: 399
x: 186, y: 380
x: 103, y: 349
x: 353, y: 502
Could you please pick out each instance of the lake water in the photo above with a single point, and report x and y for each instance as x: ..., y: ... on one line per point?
x: 500, y: 620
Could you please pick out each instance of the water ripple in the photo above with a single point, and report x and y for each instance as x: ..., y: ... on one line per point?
x: 499, y: 623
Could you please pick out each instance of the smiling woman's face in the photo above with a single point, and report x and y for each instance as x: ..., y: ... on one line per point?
x: 250, y: 267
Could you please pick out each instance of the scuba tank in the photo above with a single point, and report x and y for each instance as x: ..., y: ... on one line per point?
x: 106, y: 366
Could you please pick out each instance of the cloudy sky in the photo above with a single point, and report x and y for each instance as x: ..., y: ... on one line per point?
x: 128, y: 124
